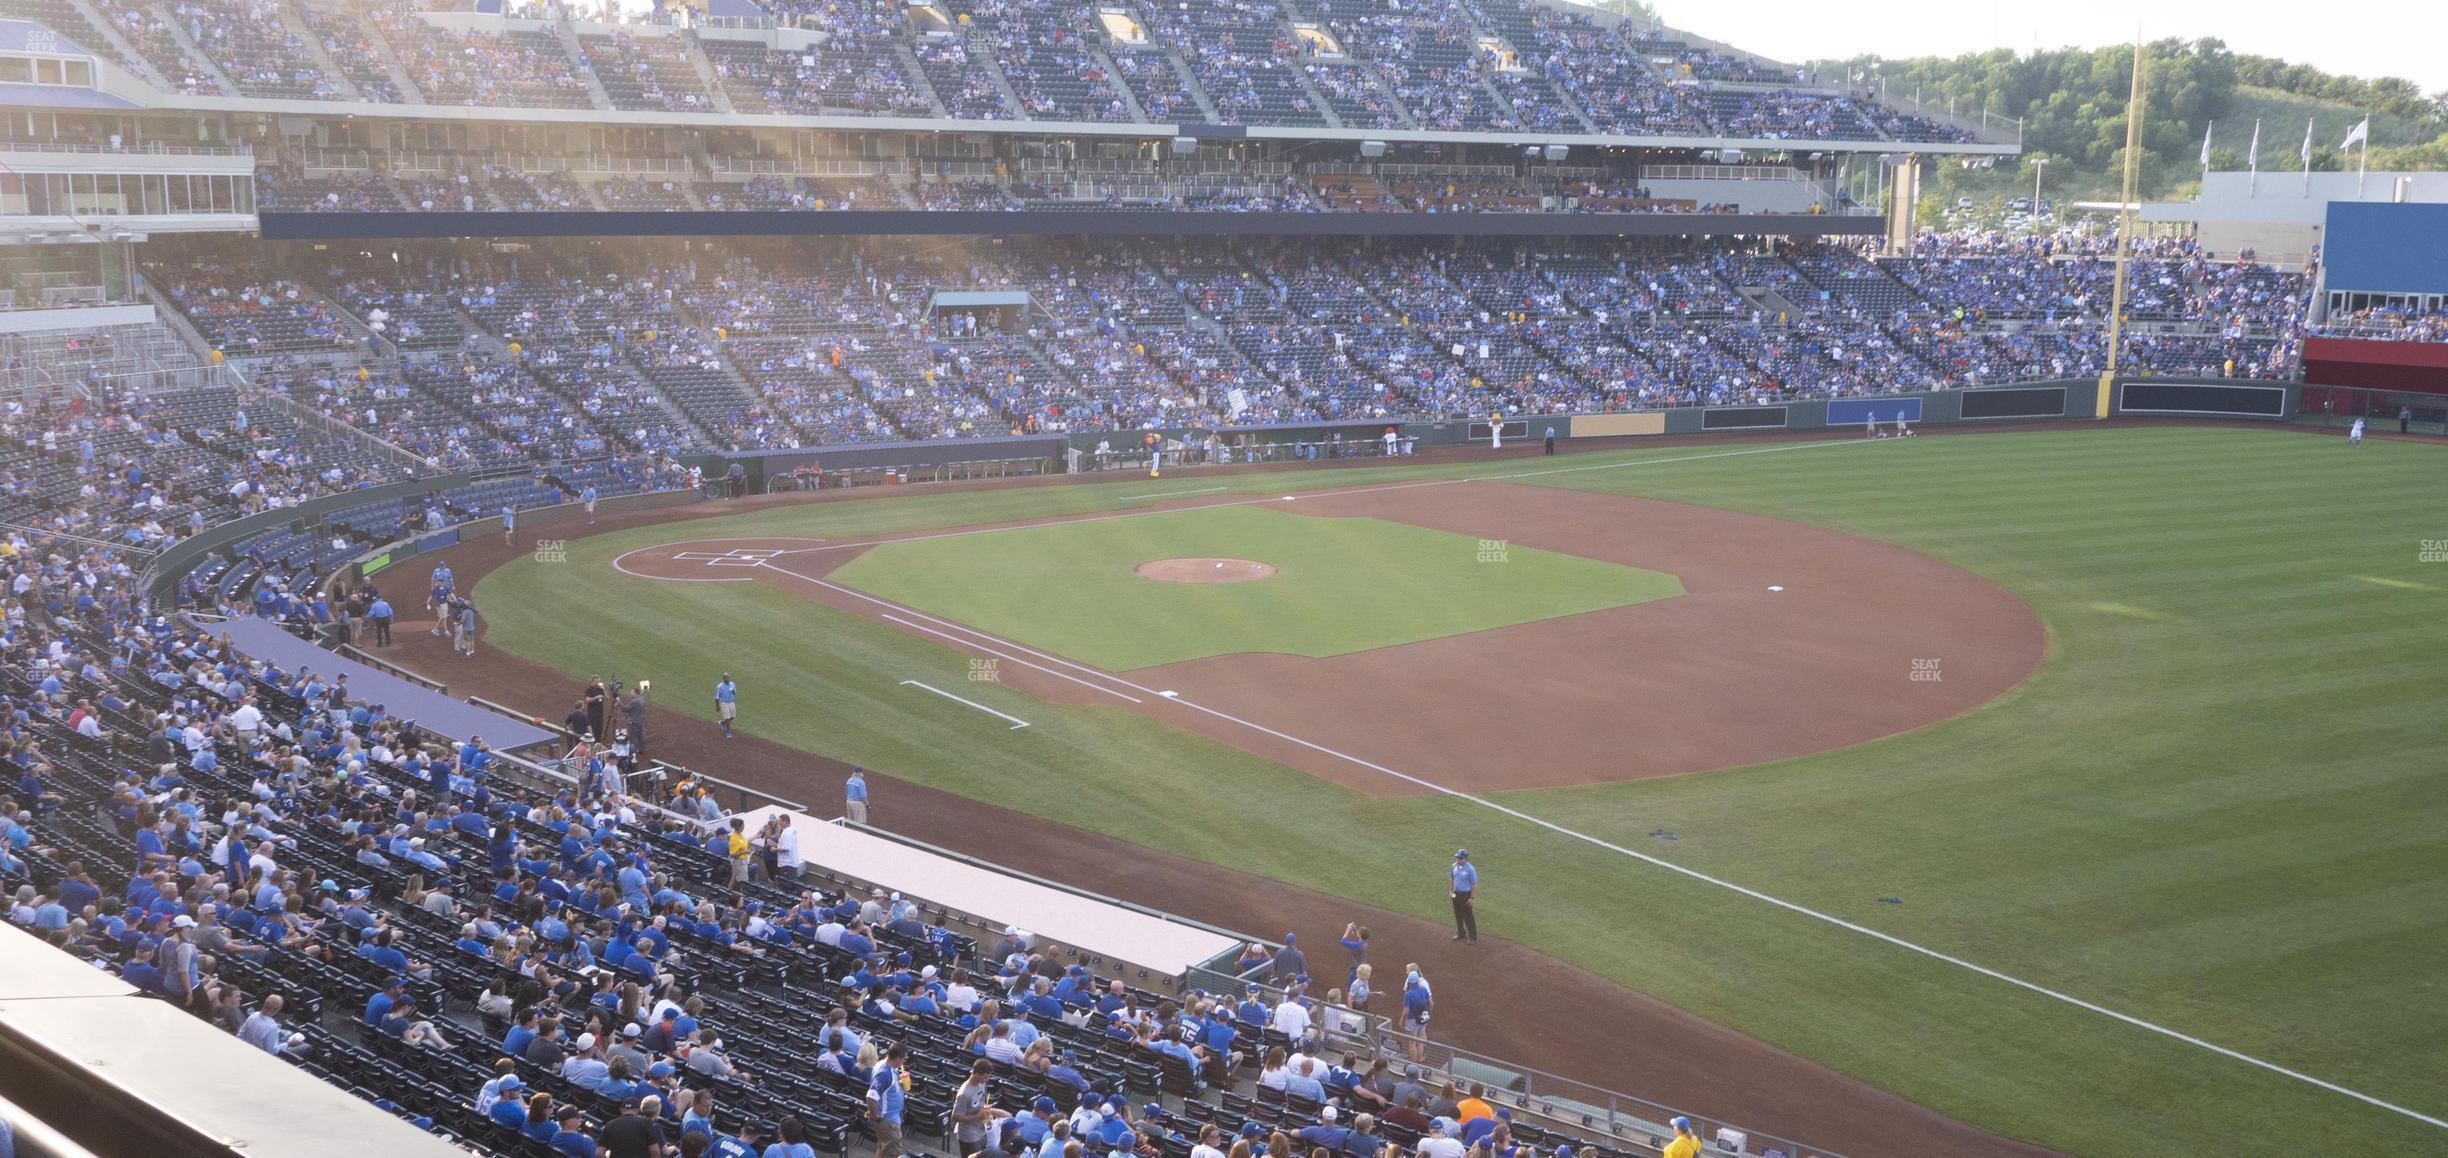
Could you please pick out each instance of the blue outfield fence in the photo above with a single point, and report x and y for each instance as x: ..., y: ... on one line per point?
x: 1859, y: 411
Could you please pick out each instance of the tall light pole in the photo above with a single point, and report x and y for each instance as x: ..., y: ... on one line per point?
x: 2125, y: 223
x: 2039, y: 166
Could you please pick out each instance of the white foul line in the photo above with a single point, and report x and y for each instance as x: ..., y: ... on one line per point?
x: 1178, y: 494
x: 1597, y: 842
x: 958, y: 640
x: 1017, y: 722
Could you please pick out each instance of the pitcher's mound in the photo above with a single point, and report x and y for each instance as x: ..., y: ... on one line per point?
x: 1203, y: 570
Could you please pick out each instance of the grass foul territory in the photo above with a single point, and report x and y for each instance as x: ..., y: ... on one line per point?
x: 2219, y: 806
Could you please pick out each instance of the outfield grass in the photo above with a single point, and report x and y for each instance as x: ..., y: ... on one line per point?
x: 2218, y: 806
x: 1341, y: 585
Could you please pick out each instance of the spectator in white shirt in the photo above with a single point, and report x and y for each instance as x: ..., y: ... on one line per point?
x: 786, y: 852
x: 1439, y: 1141
x: 1292, y: 1020
x: 1000, y: 1048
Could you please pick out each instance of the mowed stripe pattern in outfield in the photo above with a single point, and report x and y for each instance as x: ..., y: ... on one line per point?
x: 2219, y: 806
x: 1340, y: 585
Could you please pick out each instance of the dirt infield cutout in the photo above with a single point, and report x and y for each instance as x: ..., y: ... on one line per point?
x: 1867, y: 640
x: 1204, y: 570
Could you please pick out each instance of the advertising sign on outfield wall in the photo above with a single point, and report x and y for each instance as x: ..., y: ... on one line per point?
x: 2014, y: 402
x: 1743, y: 418
x: 2201, y: 399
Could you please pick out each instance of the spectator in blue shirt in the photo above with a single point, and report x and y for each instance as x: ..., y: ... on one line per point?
x: 510, y: 1111
x: 1303, y: 1083
x: 378, y: 1007
x: 1290, y: 962
x: 742, y: 1146
x: 1465, y: 891
x: 854, y: 795
x: 1023, y: 1034
x: 1326, y: 1135
x: 884, y: 1101
x: 515, y: 1041
x: 1034, y: 1124
x: 790, y: 1141
x: 567, y: 1138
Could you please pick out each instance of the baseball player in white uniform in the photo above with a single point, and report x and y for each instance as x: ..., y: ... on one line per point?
x: 2354, y: 434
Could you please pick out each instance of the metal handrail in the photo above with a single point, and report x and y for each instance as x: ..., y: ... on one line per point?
x: 149, y: 147
x: 309, y: 416
x: 1726, y: 173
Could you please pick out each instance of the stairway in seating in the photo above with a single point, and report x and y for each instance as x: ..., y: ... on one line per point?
x: 195, y: 52
x: 296, y: 24
x: 127, y: 53
x: 567, y: 34
x: 707, y: 78
x: 1768, y: 302
x: 1113, y: 73
x: 918, y: 78
x: 1191, y: 85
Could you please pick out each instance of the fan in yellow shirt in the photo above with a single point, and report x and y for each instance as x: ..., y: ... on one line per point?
x: 1686, y: 1144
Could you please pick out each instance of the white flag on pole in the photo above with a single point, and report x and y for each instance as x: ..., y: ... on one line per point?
x: 2252, y: 156
x: 2207, y: 129
x: 2307, y: 149
x: 2361, y: 135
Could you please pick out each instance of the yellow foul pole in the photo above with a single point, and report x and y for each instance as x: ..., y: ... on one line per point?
x: 2125, y: 224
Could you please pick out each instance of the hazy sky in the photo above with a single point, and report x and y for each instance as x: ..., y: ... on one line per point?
x: 2407, y: 38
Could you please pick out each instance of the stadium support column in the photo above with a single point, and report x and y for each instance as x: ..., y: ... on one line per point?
x: 2125, y: 224
x: 1903, y: 193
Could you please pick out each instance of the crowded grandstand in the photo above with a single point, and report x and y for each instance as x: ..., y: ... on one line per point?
x: 565, y: 952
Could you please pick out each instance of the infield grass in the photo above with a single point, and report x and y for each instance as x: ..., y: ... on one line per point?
x: 1341, y: 585
x: 2221, y: 805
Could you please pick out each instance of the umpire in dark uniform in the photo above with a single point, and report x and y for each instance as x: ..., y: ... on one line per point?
x: 1465, y: 888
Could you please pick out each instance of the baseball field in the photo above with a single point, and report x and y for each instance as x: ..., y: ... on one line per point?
x: 2077, y: 789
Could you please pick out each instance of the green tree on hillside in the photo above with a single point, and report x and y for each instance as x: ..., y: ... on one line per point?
x: 2072, y: 102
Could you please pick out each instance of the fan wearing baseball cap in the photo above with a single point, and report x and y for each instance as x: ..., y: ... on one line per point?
x: 1465, y: 877
x: 1686, y: 1143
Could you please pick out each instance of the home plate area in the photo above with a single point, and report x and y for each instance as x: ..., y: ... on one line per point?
x: 710, y: 558
x: 737, y: 557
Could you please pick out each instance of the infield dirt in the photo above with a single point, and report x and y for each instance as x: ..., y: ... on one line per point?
x: 1789, y: 639
x: 1559, y: 1017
